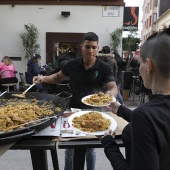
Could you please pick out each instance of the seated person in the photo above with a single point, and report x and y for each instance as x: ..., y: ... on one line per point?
x: 34, y: 69
x: 53, y: 88
x: 7, y: 72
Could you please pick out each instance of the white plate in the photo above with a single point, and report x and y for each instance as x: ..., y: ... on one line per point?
x: 84, y: 98
x: 113, y: 124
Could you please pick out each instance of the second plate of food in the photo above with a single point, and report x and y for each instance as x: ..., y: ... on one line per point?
x: 98, y: 100
x: 92, y: 122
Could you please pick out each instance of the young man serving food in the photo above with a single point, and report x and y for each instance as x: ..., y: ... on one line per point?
x: 88, y: 75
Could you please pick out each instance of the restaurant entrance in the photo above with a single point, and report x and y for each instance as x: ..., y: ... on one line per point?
x: 57, y: 43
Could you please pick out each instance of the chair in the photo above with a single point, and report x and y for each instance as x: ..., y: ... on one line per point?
x: 23, y: 83
x: 8, y: 79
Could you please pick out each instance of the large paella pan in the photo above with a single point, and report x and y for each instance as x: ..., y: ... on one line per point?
x: 46, y: 108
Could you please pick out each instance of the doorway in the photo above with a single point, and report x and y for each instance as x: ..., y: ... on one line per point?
x: 57, y: 43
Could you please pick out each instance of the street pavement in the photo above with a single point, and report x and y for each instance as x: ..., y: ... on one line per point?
x: 20, y: 160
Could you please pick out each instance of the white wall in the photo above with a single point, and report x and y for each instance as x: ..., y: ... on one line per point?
x: 47, y: 18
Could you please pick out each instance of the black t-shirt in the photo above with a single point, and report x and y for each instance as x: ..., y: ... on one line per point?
x: 85, y: 82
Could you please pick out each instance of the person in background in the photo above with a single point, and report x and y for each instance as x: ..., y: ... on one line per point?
x: 121, y: 63
x: 147, y: 136
x: 7, y: 72
x: 107, y: 57
x: 62, y: 61
x: 88, y: 74
x: 51, y: 88
x: 34, y: 69
x: 134, y: 65
x: 126, y: 59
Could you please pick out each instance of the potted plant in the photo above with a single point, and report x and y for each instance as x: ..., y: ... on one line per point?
x: 29, y: 40
x: 116, y: 38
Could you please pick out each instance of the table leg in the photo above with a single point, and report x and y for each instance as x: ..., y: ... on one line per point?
x: 79, y: 158
x: 39, y: 159
x: 55, y: 159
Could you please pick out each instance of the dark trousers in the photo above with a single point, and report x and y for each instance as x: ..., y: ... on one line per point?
x: 7, y: 81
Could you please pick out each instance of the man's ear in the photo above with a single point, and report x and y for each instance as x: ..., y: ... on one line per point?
x: 149, y: 65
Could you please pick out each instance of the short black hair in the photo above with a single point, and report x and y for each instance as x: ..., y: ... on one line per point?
x: 157, y: 47
x: 90, y: 36
x: 106, y: 49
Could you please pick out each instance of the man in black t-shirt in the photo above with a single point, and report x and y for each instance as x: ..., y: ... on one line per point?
x: 88, y: 75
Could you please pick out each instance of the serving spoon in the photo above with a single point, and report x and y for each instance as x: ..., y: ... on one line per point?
x: 3, y: 93
x: 22, y: 95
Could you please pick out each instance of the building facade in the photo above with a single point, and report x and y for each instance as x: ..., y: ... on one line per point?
x: 155, y: 15
x: 163, y: 20
x: 101, y: 17
x: 149, y: 19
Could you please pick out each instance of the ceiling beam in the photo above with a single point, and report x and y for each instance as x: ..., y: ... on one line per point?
x: 62, y: 2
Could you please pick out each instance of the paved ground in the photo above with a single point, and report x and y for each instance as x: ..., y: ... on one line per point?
x: 20, y: 159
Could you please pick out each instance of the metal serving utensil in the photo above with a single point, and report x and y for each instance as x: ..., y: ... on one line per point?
x: 22, y: 95
x: 3, y: 93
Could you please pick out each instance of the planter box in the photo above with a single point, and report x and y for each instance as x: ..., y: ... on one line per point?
x: 125, y: 95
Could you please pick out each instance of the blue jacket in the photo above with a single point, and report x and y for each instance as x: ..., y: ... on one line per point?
x: 33, y: 69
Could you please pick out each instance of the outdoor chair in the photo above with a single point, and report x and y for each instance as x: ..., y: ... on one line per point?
x: 23, y: 83
x: 8, y: 80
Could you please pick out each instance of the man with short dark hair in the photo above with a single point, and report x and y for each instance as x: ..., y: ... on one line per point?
x: 88, y: 75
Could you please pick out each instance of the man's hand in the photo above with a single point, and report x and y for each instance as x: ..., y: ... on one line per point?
x: 113, y: 107
x: 38, y: 79
x: 110, y: 93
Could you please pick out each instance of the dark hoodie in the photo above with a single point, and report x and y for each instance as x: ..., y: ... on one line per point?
x: 33, y: 69
x: 62, y: 61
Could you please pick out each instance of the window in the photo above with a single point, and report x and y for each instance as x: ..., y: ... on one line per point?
x: 155, y: 18
x: 151, y: 4
x: 148, y: 7
x: 150, y: 19
x: 156, y: 2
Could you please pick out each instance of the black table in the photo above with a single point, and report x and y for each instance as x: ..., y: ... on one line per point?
x: 38, y: 147
x: 80, y: 146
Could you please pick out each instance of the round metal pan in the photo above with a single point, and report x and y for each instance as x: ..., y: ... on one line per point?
x: 34, y: 128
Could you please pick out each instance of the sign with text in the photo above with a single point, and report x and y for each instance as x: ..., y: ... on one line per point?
x: 131, y: 15
x: 110, y: 11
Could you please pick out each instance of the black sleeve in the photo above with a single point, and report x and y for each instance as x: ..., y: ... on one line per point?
x: 124, y: 112
x: 113, y: 153
x: 144, y: 152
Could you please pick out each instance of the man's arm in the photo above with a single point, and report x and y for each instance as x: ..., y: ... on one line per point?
x: 112, y: 88
x: 52, y: 79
